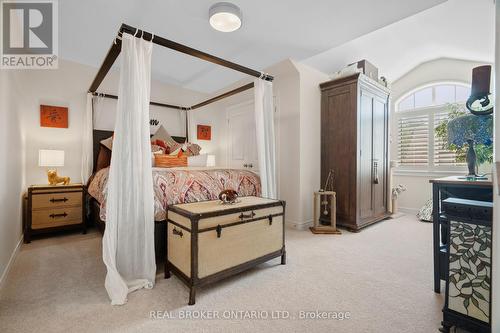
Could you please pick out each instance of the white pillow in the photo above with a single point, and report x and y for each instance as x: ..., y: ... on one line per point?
x: 198, y: 160
x: 108, y: 143
x: 162, y: 134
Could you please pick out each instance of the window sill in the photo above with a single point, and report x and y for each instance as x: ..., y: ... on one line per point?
x: 429, y: 173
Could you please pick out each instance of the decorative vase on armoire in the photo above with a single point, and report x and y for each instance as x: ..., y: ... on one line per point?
x: 355, y: 145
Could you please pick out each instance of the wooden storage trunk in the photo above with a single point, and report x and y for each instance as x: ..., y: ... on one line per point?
x: 208, y: 241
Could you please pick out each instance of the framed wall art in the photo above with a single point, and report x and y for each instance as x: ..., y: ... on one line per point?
x: 53, y: 116
x: 204, y: 132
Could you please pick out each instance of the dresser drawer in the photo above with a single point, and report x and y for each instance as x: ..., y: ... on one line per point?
x: 62, y: 199
x: 47, y: 218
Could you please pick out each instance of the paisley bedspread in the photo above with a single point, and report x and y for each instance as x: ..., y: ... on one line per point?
x: 182, y: 185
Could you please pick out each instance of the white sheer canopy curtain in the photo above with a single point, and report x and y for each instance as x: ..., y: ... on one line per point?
x: 266, y: 141
x: 128, y: 242
x: 87, y: 152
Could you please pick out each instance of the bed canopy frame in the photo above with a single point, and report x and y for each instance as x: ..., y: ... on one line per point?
x: 117, y: 285
x: 115, y: 50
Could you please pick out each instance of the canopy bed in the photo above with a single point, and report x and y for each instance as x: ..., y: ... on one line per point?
x: 133, y: 203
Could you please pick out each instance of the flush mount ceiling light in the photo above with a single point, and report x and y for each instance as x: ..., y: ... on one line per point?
x: 225, y: 17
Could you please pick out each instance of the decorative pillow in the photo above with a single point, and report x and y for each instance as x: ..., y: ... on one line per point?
x: 176, y: 151
x: 197, y: 161
x: 108, y: 143
x: 103, y: 158
x: 162, y: 134
x: 162, y: 144
x: 425, y: 213
x: 155, y: 149
x: 169, y: 161
x: 192, y: 149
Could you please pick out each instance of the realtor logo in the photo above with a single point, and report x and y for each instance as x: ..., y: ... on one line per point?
x: 29, y: 34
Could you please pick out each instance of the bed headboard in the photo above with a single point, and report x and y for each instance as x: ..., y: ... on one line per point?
x: 99, y: 135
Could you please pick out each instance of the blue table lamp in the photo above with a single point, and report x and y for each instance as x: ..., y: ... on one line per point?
x: 470, y: 130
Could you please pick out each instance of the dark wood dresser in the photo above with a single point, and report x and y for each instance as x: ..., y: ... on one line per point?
x: 354, y: 144
x: 54, y: 208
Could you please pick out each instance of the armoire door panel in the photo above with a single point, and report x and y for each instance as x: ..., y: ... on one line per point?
x: 339, y: 146
x: 379, y: 155
x: 365, y: 156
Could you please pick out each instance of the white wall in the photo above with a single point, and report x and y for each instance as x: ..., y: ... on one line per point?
x: 213, y: 115
x: 67, y: 86
x: 418, y: 187
x: 11, y: 172
x: 286, y: 88
x: 297, y: 120
x: 310, y: 138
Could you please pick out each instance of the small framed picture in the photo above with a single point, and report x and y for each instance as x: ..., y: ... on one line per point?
x: 204, y: 132
x: 53, y: 116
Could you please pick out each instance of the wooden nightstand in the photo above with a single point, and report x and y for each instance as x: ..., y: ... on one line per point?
x: 54, y: 208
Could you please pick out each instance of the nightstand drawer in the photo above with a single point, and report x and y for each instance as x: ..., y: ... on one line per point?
x: 63, y: 199
x: 56, y: 217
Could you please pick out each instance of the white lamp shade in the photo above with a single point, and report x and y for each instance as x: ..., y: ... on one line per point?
x: 210, y: 160
x: 50, y: 158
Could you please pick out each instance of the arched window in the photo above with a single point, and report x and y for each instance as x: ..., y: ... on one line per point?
x: 418, y: 115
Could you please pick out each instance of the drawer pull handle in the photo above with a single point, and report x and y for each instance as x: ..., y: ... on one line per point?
x: 58, y: 215
x: 375, y: 172
x: 247, y: 216
x: 218, y: 229
x: 59, y: 200
x: 270, y: 220
x: 177, y: 232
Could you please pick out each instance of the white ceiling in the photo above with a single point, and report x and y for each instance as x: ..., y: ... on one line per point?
x: 460, y: 29
x: 272, y: 31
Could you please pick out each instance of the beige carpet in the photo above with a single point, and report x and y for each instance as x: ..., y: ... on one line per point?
x: 382, y: 276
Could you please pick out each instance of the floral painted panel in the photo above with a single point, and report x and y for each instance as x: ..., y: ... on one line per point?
x: 470, y: 270
x: 182, y: 185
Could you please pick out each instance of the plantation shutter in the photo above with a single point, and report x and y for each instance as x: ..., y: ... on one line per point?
x: 413, y: 140
x: 442, y: 156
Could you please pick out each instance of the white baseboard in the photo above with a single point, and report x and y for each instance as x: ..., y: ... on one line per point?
x: 299, y: 225
x: 13, y: 256
x: 409, y: 210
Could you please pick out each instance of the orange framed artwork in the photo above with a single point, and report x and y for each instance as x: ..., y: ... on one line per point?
x: 204, y: 132
x: 53, y: 116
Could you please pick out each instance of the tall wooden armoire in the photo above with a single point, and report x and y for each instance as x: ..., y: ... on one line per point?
x: 355, y: 146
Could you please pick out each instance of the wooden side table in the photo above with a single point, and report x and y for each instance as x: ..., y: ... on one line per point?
x: 325, y: 229
x: 54, y: 208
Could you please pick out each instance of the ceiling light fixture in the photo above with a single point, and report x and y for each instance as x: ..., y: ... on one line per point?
x: 225, y: 17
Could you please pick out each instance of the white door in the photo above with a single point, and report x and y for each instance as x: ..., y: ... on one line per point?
x: 242, y: 144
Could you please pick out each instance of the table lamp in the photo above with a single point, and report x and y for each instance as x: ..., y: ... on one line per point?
x: 210, y: 160
x: 52, y: 159
x: 471, y: 130
x: 481, y: 102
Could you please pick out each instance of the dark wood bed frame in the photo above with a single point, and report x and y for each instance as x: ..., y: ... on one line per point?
x: 93, y: 206
x: 98, y: 135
